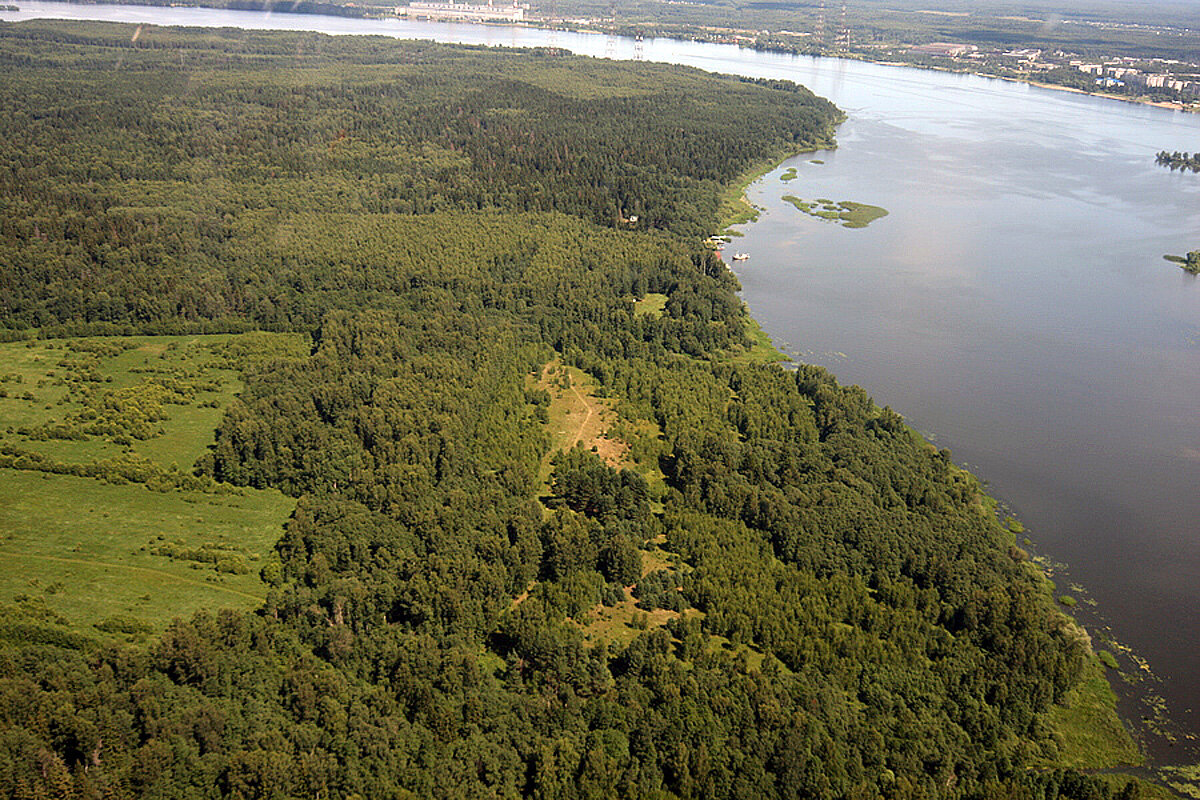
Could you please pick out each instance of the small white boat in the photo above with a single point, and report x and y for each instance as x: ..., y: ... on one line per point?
x: 740, y: 256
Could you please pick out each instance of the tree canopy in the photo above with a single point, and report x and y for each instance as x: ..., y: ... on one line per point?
x: 819, y: 603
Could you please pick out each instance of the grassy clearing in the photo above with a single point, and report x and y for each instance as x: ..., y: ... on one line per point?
x: 846, y: 212
x: 94, y: 551
x: 753, y: 658
x: 1088, y: 731
x: 111, y: 551
x: 619, y: 625
x: 158, y: 398
x: 761, y: 351
x: 653, y: 304
x: 576, y: 416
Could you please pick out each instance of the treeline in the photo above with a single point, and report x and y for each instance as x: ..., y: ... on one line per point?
x: 131, y: 211
x: 844, y: 617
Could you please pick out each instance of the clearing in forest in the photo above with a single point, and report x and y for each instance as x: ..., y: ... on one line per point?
x: 577, y: 416
x: 103, y: 525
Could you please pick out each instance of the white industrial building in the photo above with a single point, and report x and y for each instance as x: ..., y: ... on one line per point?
x: 465, y: 11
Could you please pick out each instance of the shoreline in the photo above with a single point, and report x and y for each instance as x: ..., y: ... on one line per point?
x: 1169, y: 106
x: 738, y: 187
x: 317, y: 8
x: 1131, y: 687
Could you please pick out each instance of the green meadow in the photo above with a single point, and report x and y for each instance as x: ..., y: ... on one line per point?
x: 102, y: 521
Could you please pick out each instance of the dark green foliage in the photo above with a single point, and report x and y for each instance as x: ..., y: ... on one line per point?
x: 1189, y: 263
x: 587, y: 485
x: 1178, y: 160
x: 172, y: 206
x: 442, y: 222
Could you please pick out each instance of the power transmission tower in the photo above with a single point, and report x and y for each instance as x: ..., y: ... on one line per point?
x: 610, y: 46
x: 843, y: 38
x: 819, y: 33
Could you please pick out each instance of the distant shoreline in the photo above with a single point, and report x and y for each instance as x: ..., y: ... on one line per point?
x: 320, y: 8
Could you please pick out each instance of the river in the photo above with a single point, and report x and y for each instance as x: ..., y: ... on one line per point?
x: 1014, y: 305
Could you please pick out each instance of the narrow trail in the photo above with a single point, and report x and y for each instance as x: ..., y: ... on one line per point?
x: 590, y: 411
x: 146, y: 570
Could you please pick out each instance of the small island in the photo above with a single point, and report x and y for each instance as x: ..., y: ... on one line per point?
x: 790, y: 175
x: 846, y: 212
x: 1189, y: 263
x: 1178, y: 160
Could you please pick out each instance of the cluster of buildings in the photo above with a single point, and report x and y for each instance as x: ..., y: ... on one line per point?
x: 484, y: 12
x: 1128, y: 74
x: 1116, y: 74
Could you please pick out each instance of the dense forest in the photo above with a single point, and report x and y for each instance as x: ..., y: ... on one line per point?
x: 821, y: 603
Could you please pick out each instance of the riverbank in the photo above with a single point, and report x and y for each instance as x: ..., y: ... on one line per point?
x: 1185, y: 108
x: 745, y: 39
x: 1089, y: 727
x: 996, y: 96
x: 831, y: 280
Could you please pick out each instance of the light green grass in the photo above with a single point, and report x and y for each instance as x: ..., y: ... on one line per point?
x: 60, y: 375
x: 761, y: 351
x: 734, y: 208
x: 93, y: 551
x: 859, y: 215
x: 1087, y: 729
x: 87, y: 548
x: 846, y: 212
x: 653, y: 304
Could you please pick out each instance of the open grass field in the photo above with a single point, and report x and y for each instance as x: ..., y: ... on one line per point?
x: 113, y: 556
x: 653, y: 304
x: 81, y: 400
x: 98, y: 553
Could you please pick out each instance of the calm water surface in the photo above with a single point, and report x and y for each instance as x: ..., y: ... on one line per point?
x: 1014, y: 305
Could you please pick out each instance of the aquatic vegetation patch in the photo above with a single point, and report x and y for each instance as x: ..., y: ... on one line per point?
x: 846, y: 212
x: 1184, y: 780
x: 1189, y: 263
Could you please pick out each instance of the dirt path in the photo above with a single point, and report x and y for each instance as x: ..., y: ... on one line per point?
x: 577, y: 417
x: 587, y: 418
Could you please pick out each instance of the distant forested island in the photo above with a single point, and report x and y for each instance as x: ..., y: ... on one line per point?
x: 502, y: 499
x: 1178, y: 160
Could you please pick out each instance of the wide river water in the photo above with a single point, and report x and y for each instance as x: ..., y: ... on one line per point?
x: 1014, y: 305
